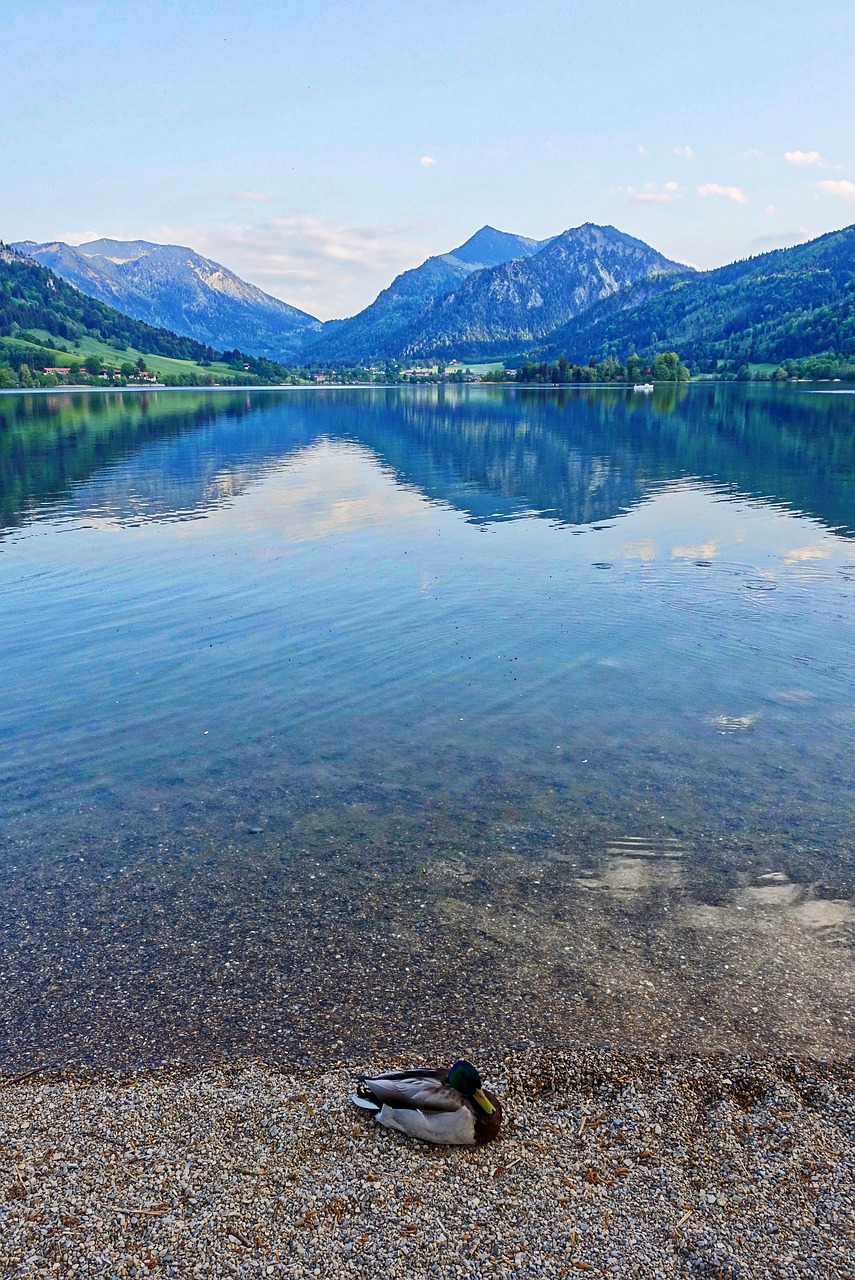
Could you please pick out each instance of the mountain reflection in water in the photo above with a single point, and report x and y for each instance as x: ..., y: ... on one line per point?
x: 577, y: 455
x: 278, y: 718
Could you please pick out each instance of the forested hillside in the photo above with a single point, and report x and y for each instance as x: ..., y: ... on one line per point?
x: 376, y: 332
x: 498, y: 294
x: 169, y: 286
x: 33, y: 298
x: 782, y: 305
x: 514, y: 305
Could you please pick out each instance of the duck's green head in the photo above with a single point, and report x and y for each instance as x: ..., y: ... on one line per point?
x: 465, y: 1079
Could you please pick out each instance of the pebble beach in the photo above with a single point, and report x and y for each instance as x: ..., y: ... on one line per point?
x: 608, y: 1164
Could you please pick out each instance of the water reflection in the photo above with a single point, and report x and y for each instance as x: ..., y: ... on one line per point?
x: 579, y: 456
x: 550, y: 691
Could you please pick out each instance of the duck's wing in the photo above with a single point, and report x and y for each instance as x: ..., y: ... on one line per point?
x: 449, y: 1128
x: 419, y: 1089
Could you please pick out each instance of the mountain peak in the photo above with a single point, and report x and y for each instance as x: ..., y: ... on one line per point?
x: 497, y: 292
x: 507, y: 307
x: 173, y: 287
x: 373, y: 331
x: 488, y: 247
x: 119, y: 250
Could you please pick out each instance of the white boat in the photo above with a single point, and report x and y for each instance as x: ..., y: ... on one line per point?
x: 644, y: 386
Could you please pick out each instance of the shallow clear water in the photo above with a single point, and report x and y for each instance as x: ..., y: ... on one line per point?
x: 425, y: 716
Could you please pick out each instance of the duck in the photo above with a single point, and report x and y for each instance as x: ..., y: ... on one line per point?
x: 448, y: 1106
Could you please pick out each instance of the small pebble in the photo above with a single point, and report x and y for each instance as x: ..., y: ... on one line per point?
x: 256, y: 1169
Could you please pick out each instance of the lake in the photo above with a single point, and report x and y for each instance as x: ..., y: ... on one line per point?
x: 431, y: 718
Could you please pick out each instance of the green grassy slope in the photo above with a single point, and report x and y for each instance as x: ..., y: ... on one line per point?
x: 32, y: 298
x: 34, y: 354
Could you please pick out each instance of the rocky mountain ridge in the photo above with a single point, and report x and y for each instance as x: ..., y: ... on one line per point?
x: 509, y: 307
x: 785, y: 304
x: 374, y: 332
x: 592, y: 290
x: 173, y: 287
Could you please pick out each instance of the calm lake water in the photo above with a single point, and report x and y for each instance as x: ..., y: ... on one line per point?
x: 429, y: 718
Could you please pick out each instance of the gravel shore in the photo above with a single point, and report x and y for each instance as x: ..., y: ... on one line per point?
x: 608, y: 1164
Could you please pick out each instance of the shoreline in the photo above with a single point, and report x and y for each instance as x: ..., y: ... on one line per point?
x: 391, y: 386
x: 616, y: 1164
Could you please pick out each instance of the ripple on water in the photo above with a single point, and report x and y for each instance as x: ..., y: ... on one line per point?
x: 734, y: 724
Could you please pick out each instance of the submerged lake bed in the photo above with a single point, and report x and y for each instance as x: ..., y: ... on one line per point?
x: 435, y: 718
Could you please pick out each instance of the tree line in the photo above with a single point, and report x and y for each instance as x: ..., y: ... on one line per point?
x: 666, y: 366
x: 825, y: 367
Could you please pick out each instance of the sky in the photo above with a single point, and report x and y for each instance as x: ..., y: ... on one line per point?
x: 319, y: 149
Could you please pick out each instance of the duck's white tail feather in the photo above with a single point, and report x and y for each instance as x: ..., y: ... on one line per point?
x: 364, y: 1104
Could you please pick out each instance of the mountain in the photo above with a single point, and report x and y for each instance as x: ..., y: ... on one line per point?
x: 171, y: 287
x: 374, y: 332
x: 33, y: 298
x: 781, y: 305
x: 509, y: 307
x: 488, y: 247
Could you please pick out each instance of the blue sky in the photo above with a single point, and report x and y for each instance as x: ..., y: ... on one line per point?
x: 318, y: 149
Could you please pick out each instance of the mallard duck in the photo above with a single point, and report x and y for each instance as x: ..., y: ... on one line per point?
x: 437, y: 1106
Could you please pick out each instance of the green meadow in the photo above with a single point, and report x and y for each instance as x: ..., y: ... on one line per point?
x: 90, y: 346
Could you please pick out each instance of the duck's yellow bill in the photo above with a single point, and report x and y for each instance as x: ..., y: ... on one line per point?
x: 483, y: 1101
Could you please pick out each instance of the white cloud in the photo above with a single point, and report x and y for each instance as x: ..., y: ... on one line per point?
x: 806, y: 158
x: 651, y: 194
x: 780, y: 240
x: 770, y: 208
x: 252, y: 197
x: 427, y: 160
x: 642, y: 151
x: 730, y: 193
x: 686, y: 152
x: 83, y: 237
x: 844, y: 189
x: 325, y: 268
x: 753, y: 154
